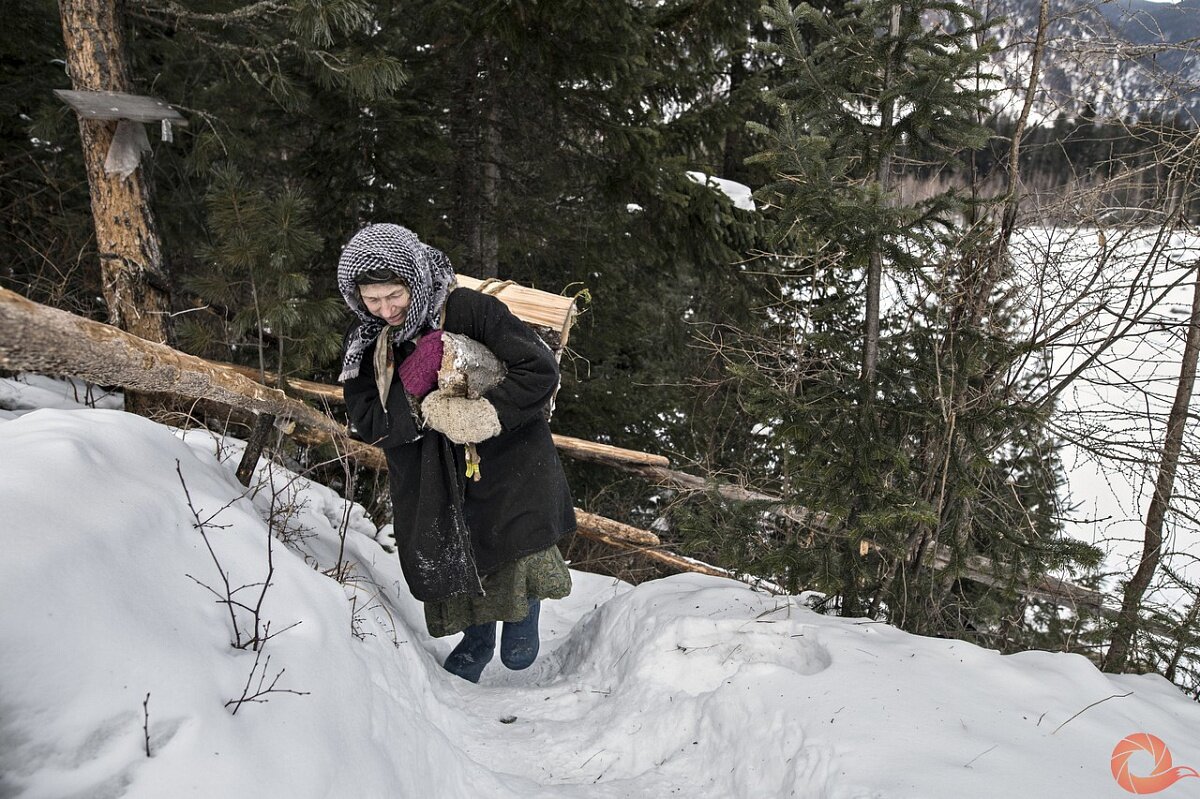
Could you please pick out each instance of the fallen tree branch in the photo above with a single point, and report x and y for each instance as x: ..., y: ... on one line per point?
x: 678, y: 562
x: 593, y: 526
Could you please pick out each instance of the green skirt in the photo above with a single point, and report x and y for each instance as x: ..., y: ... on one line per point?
x: 507, y: 591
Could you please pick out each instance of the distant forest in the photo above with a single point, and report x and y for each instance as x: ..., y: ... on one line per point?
x: 1074, y: 171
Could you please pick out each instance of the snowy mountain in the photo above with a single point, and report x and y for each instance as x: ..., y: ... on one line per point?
x: 1120, y: 59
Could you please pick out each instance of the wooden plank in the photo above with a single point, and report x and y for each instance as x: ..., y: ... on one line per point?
x: 119, y: 105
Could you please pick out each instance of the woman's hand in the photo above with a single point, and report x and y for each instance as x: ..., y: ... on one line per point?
x: 462, y: 420
x: 419, y: 371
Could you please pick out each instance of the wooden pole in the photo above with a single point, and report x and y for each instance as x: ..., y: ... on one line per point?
x: 254, y: 447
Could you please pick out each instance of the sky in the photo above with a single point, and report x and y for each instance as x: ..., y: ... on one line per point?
x: 119, y: 674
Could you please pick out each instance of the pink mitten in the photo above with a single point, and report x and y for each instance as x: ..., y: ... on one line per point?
x: 418, y: 372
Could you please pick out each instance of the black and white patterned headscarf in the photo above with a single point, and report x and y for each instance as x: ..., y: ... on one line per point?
x: 426, y: 271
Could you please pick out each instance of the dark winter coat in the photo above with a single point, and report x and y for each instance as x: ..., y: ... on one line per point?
x: 521, y: 504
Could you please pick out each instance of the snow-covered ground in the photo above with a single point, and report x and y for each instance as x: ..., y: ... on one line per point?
x: 112, y: 642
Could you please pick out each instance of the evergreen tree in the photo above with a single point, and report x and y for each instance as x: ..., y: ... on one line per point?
x: 910, y: 454
x: 258, y: 274
x: 47, y: 246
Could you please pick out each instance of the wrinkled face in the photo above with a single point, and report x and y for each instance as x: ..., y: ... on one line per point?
x: 388, y: 301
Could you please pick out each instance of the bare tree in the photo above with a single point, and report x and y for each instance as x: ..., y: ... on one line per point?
x: 1128, y: 620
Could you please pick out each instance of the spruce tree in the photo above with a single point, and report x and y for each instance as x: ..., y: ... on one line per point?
x: 910, y: 450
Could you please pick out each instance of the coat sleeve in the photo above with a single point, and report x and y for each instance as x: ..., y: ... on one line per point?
x: 532, y: 371
x: 368, y: 421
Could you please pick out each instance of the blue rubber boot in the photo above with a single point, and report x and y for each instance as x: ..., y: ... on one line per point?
x: 519, y: 642
x: 473, y: 652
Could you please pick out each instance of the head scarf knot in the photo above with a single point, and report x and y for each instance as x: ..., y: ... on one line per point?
x: 426, y: 271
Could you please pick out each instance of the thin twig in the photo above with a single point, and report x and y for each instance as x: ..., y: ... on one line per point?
x: 981, y: 754
x: 1089, y: 707
x: 146, y: 722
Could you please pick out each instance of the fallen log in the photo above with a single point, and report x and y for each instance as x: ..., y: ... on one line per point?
x: 37, y: 338
x: 656, y: 468
x: 810, y: 519
x: 1046, y: 588
x: 576, y: 448
x: 670, y: 559
x: 601, y: 528
x: 304, y: 388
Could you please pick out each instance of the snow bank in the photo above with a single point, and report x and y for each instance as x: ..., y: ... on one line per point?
x: 691, y: 685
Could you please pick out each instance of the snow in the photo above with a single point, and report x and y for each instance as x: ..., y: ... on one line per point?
x: 690, y: 685
x: 1130, y: 390
x: 738, y: 193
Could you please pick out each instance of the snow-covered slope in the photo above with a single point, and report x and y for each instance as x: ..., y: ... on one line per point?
x: 689, y: 686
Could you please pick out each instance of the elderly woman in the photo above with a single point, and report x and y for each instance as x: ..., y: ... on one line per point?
x: 476, y: 549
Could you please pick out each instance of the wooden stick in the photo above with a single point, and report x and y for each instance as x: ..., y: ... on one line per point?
x: 582, y: 450
x: 678, y: 562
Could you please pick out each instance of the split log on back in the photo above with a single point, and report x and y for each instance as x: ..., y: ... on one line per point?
x: 550, y: 315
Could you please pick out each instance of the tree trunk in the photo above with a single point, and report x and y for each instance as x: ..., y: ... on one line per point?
x: 36, y: 338
x: 1012, y: 200
x: 136, y: 289
x: 476, y: 136
x: 1127, y: 620
x: 883, y: 177
x: 731, y: 157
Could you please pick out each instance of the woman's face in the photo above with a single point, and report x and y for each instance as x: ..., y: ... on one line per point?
x: 388, y: 301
